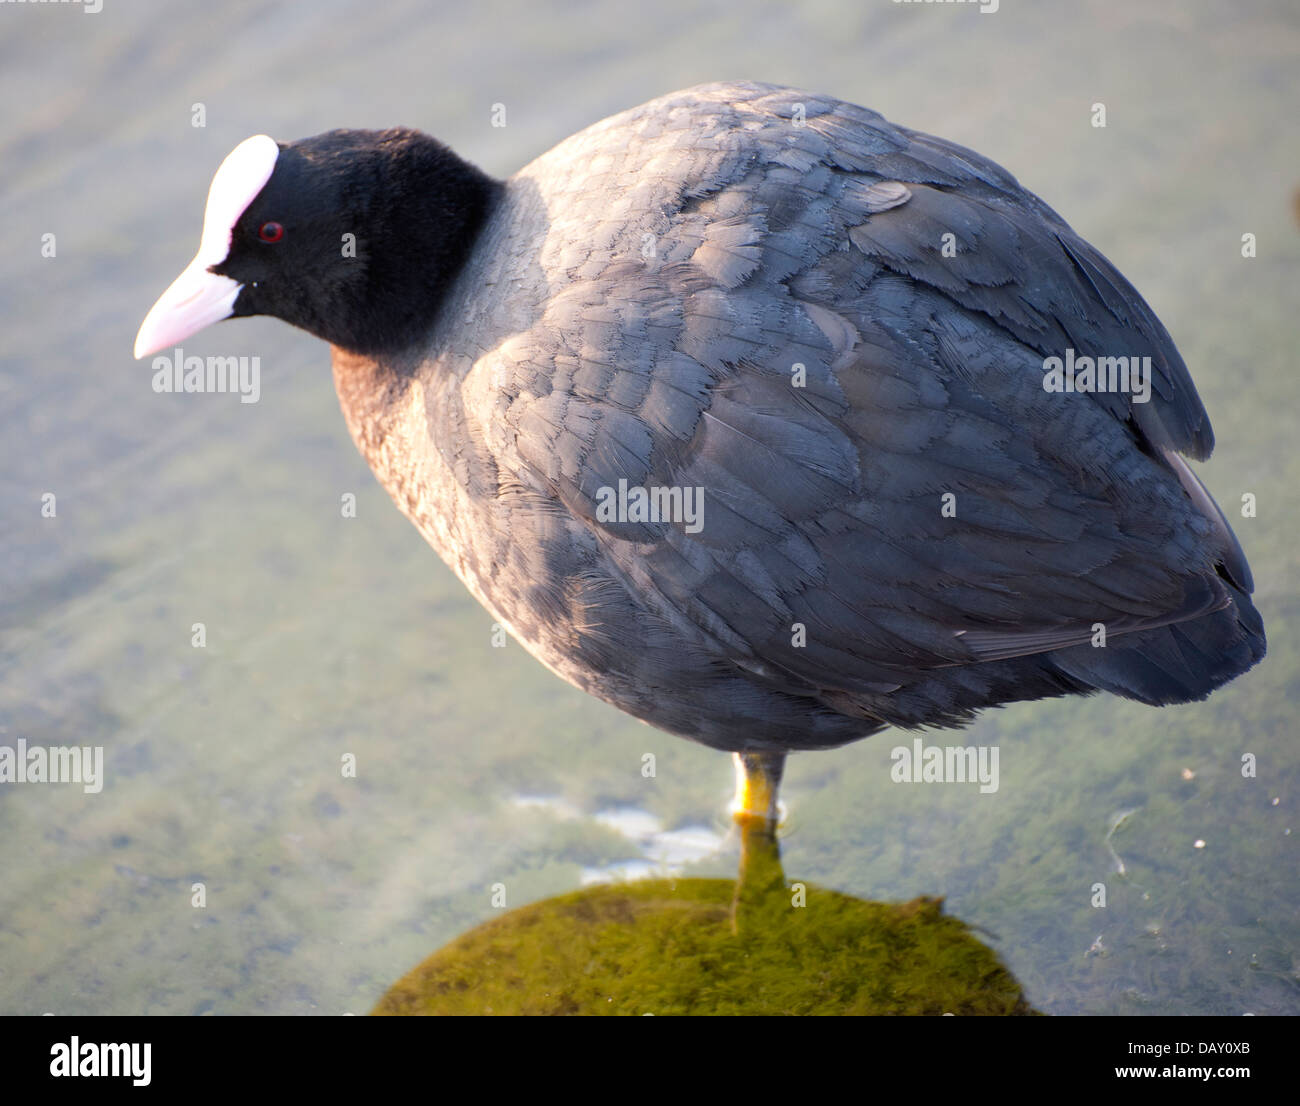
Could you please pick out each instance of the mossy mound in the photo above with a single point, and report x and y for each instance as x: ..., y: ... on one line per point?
x: 669, y: 947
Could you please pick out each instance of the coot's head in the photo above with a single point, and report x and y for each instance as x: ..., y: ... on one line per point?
x: 351, y: 235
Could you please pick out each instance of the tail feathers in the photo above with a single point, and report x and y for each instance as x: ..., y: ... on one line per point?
x: 1173, y: 664
x: 1231, y: 558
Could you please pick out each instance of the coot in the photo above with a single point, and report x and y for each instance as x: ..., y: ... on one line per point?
x: 768, y: 421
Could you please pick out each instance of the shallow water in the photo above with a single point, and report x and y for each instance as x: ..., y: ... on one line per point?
x: 328, y: 636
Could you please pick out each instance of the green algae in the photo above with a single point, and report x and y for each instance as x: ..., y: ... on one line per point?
x: 669, y: 947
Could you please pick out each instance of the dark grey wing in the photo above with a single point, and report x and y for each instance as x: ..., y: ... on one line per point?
x: 887, y: 486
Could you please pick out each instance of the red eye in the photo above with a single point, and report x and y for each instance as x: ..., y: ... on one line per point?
x: 270, y: 232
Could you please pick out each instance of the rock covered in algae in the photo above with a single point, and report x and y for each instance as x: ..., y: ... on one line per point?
x: 673, y: 947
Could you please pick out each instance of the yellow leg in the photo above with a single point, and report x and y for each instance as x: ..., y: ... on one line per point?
x: 758, y: 782
x: 761, y: 881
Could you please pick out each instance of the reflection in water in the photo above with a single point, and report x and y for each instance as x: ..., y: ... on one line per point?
x: 708, y: 946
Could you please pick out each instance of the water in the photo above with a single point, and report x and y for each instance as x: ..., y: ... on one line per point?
x: 328, y: 637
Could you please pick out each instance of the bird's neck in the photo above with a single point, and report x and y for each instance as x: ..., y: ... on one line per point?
x: 426, y: 218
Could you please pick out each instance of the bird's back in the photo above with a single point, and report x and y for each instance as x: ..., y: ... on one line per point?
x: 828, y: 334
